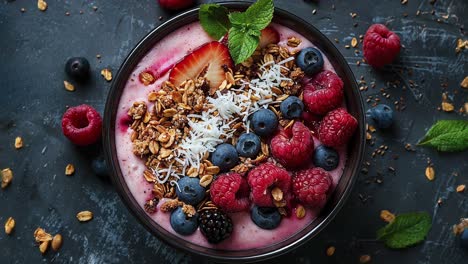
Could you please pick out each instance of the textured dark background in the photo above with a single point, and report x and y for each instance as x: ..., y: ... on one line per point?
x: 34, y: 46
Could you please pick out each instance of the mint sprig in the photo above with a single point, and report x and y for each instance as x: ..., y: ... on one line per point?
x: 214, y: 20
x: 244, y: 27
x: 447, y: 135
x: 406, y: 230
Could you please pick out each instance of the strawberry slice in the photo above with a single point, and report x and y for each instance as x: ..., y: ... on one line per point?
x: 269, y: 36
x: 208, y: 60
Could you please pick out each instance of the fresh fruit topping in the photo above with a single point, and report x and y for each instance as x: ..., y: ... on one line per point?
x: 248, y: 145
x: 265, y: 178
x: 266, y: 217
x: 230, y: 192
x: 464, y: 238
x: 215, y: 225
x: 208, y: 60
x: 82, y: 125
x: 381, y: 46
x: 225, y: 157
x: 312, y: 186
x: 77, y: 68
x: 190, y: 191
x: 183, y: 224
x: 293, y: 146
x: 380, y: 115
x: 269, y: 36
x: 99, y: 166
x: 292, y: 107
x: 175, y: 4
x: 310, y: 60
x: 264, y: 122
x: 324, y: 92
x: 337, y: 127
x: 326, y: 158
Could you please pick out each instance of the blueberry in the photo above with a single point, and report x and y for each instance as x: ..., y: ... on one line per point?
x: 248, y: 145
x: 326, y: 158
x: 464, y: 238
x: 310, y: 60
x: 292, y: 107
x: 77, y: 68
x: 182, y: 224
x: 381, y: 115
x: 225, y: 157
x: 265, y: 217
x: 99, y: 166
x: 264, y: 122
x: 190, y: 191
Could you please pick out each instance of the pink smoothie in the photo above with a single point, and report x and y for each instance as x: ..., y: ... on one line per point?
x: 163, y: 55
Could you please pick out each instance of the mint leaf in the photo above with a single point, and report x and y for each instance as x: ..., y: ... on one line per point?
x: 242, y: 43
x: 214, y: 20
x: 406, y: 230
x: 447, y: 135
x: 257, y: 17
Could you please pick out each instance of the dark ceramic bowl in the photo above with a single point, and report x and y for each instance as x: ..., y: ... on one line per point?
x: 355, y: 149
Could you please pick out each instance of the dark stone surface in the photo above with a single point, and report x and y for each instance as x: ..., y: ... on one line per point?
x: 35, y: 46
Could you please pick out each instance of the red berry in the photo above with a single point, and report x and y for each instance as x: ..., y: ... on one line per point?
x: 311, y: 121
x: 292, y: 147
x: 230, y: 192
x: 82, y: 125
x: 312, y: 186
x: 381, y: 46
x: 337, y: 127
x: 263, y: 179
x: 323, y: 93
x: 175, y: 4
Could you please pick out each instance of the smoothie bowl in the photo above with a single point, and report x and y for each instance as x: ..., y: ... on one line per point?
x: 234, y: 161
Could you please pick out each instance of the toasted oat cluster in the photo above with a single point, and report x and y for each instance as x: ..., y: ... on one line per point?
x: 161, y: 125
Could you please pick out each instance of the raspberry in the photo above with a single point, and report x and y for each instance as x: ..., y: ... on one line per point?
x: 337, y: 127
x: 381, y: 46
x: 230, y: 192
x: 82, y: 125
x: 215, y: 225
x: 312, y: 186
x: 293, y: 146
x: 263, y: 179
x: 311, y: 121
x: 324, y: 92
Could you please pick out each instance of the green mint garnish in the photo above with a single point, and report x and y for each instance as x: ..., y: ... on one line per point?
x: 406, y: 230
x: 244, y: 27
x: 214, y: 20
x: 447, y: 135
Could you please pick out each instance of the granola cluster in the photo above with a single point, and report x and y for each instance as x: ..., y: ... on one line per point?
x: 160, y: 125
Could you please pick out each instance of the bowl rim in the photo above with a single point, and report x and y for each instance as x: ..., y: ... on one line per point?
x: 113, y: 98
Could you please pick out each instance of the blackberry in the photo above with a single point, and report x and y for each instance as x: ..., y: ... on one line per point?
x: 215, y: 225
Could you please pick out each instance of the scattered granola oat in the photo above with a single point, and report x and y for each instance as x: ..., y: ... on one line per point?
x: 354, y: 42
x: 364, y: 259
x: 9, y: 225
x: 447, y: 107
x: 107, y: 74
x: 464, y: 83
x: 458, y: 228
x: 43, y: 246
x: 56, y: 242
x: 41, y: 5
x: 430, y: 173
x: 84, y: 216
x: 387, y: 216
x: 18, y: 142
x: 69, y: 169
x: 68, y: 86
x: 277, y: 194
x: 331, y: 251
x: 7, y: 177
x: 404, y: 2
x: 461, y: 45
x: 461, y: 188
x: 40, y: 235
x: 300, y: 212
